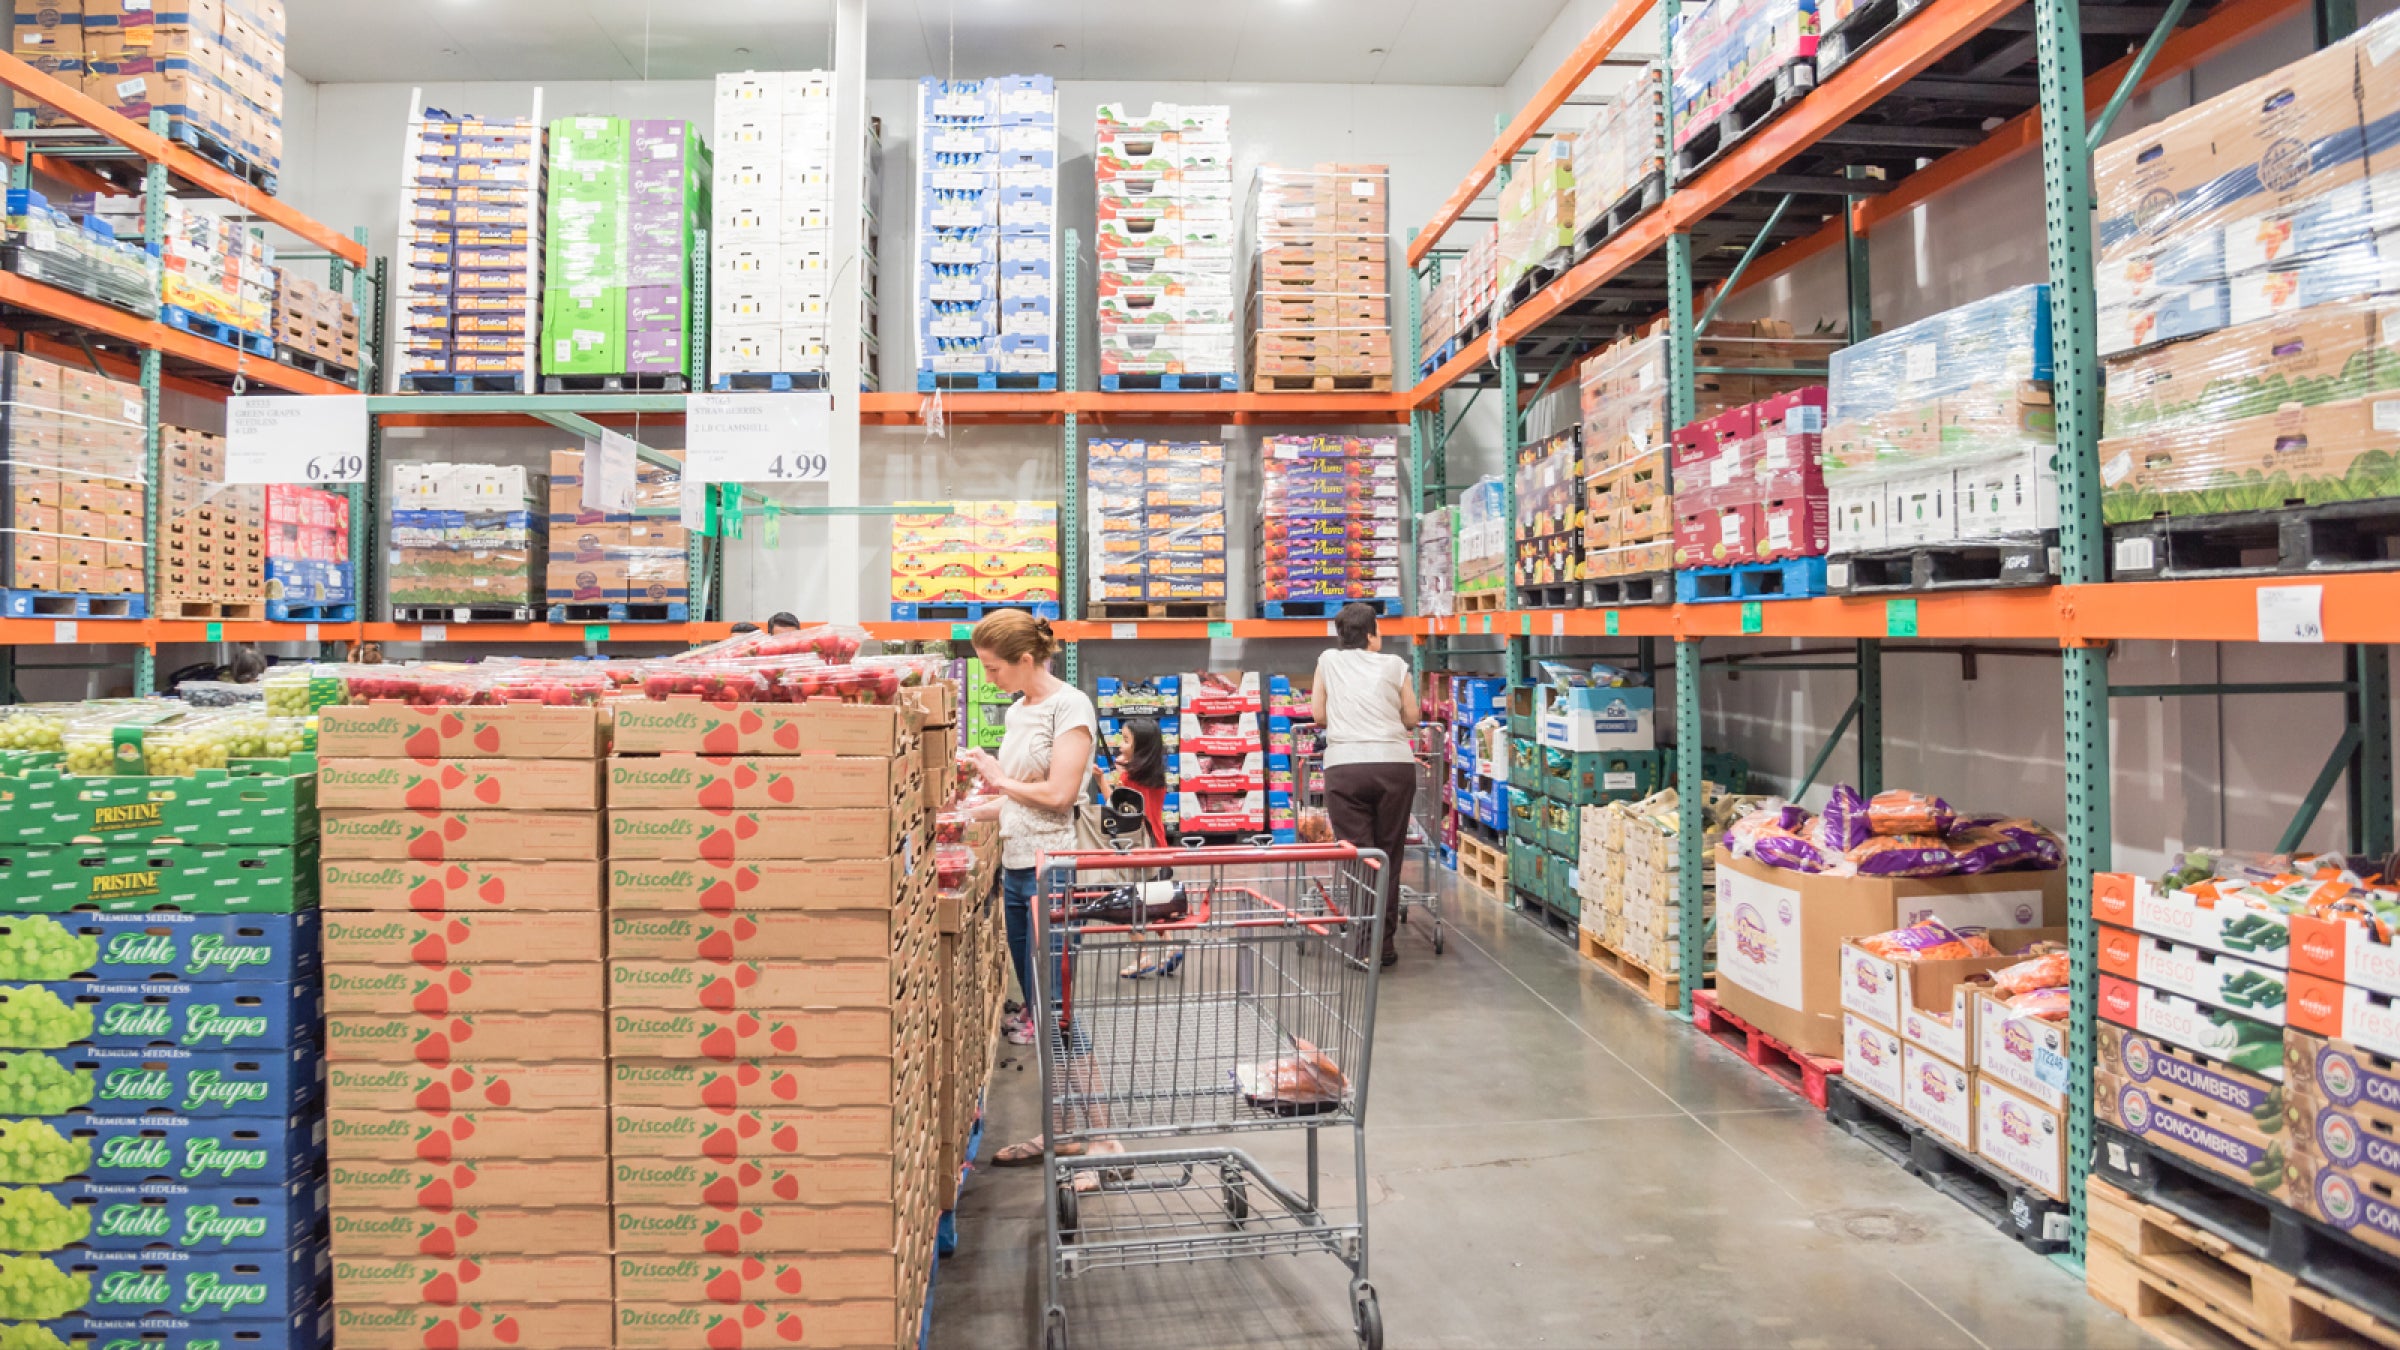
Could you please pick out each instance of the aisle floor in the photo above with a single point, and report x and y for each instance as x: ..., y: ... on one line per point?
x: 1551, y: 1162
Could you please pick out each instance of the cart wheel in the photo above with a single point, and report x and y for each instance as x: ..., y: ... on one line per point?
x: 1237, y: 1200
x: 1366, y: 1316
x: 1437, y: 939
x: 1054, y: 1330
x: 1066, y: 1211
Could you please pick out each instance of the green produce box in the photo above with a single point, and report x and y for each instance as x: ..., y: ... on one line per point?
x: 1525, y: 817
x: 1522, y: 861
x: 254, y: 802
x: 583, y: 331
x: 185, y: 877
x: 1562, y: 896
x: 1562, y: 827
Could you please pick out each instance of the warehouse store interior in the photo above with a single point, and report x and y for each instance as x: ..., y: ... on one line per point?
x: 879, y: 673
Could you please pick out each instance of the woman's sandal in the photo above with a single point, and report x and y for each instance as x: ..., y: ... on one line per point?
x: 1026, y: 1152
x: 1141, y: 970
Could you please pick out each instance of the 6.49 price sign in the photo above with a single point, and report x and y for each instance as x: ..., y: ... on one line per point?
x: 310, y: 438
x: 758, y: 438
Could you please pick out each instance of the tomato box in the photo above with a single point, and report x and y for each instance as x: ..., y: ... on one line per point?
x: 192, y: 948
x: 2214, y: 978
x: 694, y: 833
x: 2344, y: 951
x: 478, y: 1232
x: 135, y: 879
x: 130, y: 1080
x: 442, y: 1187
x: 441, y: 1283
x: 155, y: 1149
x: 755, y: 985
x: 432, y: 941
x: 691, y: 726
x: 501, y: 987
x: 750, y: 1084
x: 463, y: 836
x: 752, y: 1132
x: 233, y: 1218
x: 495, y: 731
x: 230, y: 1288
x: 724, y: 1184
x: 643, y: 1277
x: 755, y: 886
x: 429, y: 887
x: 260, y: 803
x: 787, y: 935
x: 683, y: 1326
x: 754, y: 1229
x: 471, y: 1086
x: 191, y: 1016
x: 424, y: 1038
x: 459, y: 784
x: 484, y: 1325
x: 640, y: 1033
x: 397, y: 1136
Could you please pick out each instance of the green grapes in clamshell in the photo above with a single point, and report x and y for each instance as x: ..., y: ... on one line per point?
x: 35, y: 1153
x: 31, y: 731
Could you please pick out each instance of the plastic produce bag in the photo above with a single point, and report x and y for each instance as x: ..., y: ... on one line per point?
x: 1303, y: 1082
x: 1900, y: 811
x: 1903, y: 855
x: 2041, y: 972
x: 1843, y: 825
x: 1928, y: 941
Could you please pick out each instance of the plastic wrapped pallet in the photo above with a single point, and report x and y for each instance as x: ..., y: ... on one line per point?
x: 314, y: 321
x: 1483, y: 537
x: 975, y: 553
x: 211, y: 538
x: 308, y: 551
x: 1620, y: 150
x: 81, y: 250
x: 467, y: 536
x: 1537, y: 211
x: 1727, y: 48
x: 1549, y: 526
x: 216, y: 69
x: 771, y: 266
x: 1158, y: 522
x: 625, y: 204
x: 1941, y: 430
x: 1165, y: 240
x: 987, y: 236
x: 1437, y: 561
x: 470, y: 278
x: 72, y: 455
x: 1318, y: 277
x: 1748, y: 484
x: 637, y: 559
x: 217, y: 269
x: 1329, y: 519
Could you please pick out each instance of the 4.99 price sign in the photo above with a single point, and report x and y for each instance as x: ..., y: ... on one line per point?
x: 314, y: 438
x: 759, y: 438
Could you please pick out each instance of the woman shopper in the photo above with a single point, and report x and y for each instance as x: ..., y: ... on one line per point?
x: 1142, y: 767
x: 1366, y: 706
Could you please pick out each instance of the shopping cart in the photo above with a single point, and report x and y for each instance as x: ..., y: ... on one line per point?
x: 1424, y: 827
x: 1267, y: 1024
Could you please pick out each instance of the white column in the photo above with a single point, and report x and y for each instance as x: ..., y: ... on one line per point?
x: 844, y: 334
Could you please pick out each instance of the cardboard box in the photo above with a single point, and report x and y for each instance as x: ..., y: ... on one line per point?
x: 2345, y: 1118
x: 752, y: 985
x: 449, y: 1038
x: 756, y: 886
x: 749, y: 782
x: 469, y: 1086
x: 2021, y: 1138
x: 2346, y: 1012
x: 2258, y: 936
x: 462, y: 836
x: 727, y: 1036
x: 1871, y: 1058
x: 690, y: 725
x: 787, y: 935
x: 1780, y: 933
x: 442, y: 1187
x: 1930, y: 1003
x: 2220, y: 1138
x: 764, y: 1230
x: 750, y: 1132
x: 674, y: 1326
x: 423, y: 1281
x: 435, y: 887
x: 724, y: 1184
x: 470, y: 784
x: 2344, y: 952
x: 2144, y: 1061
x: 484, y: 1325
x: 388, y: 991
x: 696, y: 833
x: 1938, y: 1095
x: 403, y: 1136
x: 688, y: 1086
x: 2026, y: 1053
x: 368, y: 1234
x: 495, y: 731
x: 2242, y: 1042
x: 702, y: 1279
x: 2256, y: 992
x: 429, y: 942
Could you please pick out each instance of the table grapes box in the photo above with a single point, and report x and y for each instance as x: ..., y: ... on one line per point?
x: 193, y: 948
x: 216, y: 1288
x: 232, y: 1151
x: 130, y: 1080
x: 192, y: 1016
x: 309, y: 1329
x: 268, y: 802
x: 199, y: 1219
x: 190, y: 878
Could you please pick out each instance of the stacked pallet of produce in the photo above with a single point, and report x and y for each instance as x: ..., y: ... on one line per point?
x: 1620, y: 159
x: 616, y: 565
x: 1220, y: 763
x: 971, y: 957
x: 1318, y: 277
x: 468, y: 537
x: 310, y: 573
x: 85, y: 246
x: 1630, y: 871
x: 1536, y: 230
x: 1748, y: 484
x: 626, y: 202
x: 468, y: 1090
x: 1158, y: 527
x: 212, y: 536
x: 73, y: 466
x: 314, y: 322
x: 967, y: 557
x: 1328, y: 525
x: 470, y: 269
x: 1628, y: 518
x: 1549, y: 535
x: 1166, y: 246
x: 771, y: 267
x: 1437, y: 561
x: 987, y: 233
x: 1736, y: 62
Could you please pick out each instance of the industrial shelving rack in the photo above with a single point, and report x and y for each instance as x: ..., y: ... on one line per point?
x: 1899, y: 122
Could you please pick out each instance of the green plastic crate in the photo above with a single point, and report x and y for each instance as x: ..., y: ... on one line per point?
x: 1524, y: 860
x: 1561, y: 894
x: 1562, y: 827
x: 1521, y: 720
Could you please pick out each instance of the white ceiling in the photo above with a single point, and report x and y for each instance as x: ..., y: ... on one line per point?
x: 1227, y: 41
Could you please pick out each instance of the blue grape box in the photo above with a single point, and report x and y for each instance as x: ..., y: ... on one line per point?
x: 231, y: 1151
x: 170, y: 1080
x: 311, y: 1329
x: 159, y: 1012
x: 195, y: 1219
x: 205, y: 1288
x: 192, y: 948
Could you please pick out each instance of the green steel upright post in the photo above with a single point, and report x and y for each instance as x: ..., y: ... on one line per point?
x: 1870, y: 716
x: 1691, y: 812
x: 2067, y: 208
x: 20, y: 174
x: 1857, y: 276
x: 2370, y: 776
x: 154, y: 228
x: 1512, y: 438
x: 1070, y: 499
x: 702, y: 587
x: 2336, y: 19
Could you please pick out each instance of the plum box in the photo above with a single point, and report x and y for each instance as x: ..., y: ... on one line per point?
x: 643, y: 1276
x: 436, y: 783
x: 148, y: 1149
x: 231, y: 1288
x: 435, y: 886
x: 199, y: 1219
x: 2214, y: 978
x: 429, y: 941
x: 192, y: 948
x: 697, y: 726
x: 191, y: 1016
x: 466, y: 836
x: 2026, y: 1053
x: 773, y: 934
x: 865, y: 1081
x: 474, y: 1231
x: 754, y: 886
x: 692, y: 1230
x: 2026, y: 1140
x: 485, y: 1325
x: 447, y: 1186
x: 126, y: 1081
x: 400, y: 990
x: 471, y: 1086
x: 1938, y: 1095
x: 464, y: 1037
x: 438, y: 1282
x: 725, y: 1183
x: 390, y: 729
x: 750, y: 1132
x: 399, y: 1136
x: 753, y: 985
x: 700, y: 834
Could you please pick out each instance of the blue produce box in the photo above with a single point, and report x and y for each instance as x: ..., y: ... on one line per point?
x: 191, y: 948
x: 309, y: 1329
x: 136, y: 1080
x: 195, y: 1016
x: 233, y: 1151
x: 197, y: 1219
x: 205, y: 1287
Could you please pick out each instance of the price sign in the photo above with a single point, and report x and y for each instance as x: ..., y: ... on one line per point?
x: 1754, y: 617
x: 608, y: 473
x: 1609, y: 622
x: 1220, y: 630
x: 315, y: 438
x: 759, y: 438
x: 1900, y: 617
x: 2291, y: 614
x: 691, y: 505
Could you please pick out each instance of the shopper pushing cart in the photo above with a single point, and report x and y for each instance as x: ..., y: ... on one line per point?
x: 1365, y: 703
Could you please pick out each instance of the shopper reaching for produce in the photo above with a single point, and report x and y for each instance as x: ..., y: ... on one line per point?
x: 1367, y: 707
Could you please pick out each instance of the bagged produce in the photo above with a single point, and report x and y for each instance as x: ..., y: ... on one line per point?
x: 1928, y: 941
x: 1903, y: 855
x: 1900, y: 811
x: 2045, y: 971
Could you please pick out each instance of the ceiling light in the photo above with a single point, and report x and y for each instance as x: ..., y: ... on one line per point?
x: 1058, y: 46
x: 741, y: 51
x: 1374, y: 51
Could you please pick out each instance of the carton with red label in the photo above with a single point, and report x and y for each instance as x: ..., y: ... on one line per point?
x: 729, y: 782
x: 434, y: 783
x: 434, y: 1089
x: 689, y: 1086
x: 2256, y: 992
x: 2244, y: 1043
x: 433, y: 1282
x: 753, y: 1229
x: 439, y: 1187
x: 689, y: 725
x: 643, y: 1033
x: 460, y: 836
x: 386, y: 730
x: 2261, y: 937
x: 757, y: 885
x: 787, y: 934
x: 703, y: 1278
x: 2346, y: 1012
x: 2345, y: 950
x: 437, y: 886
x: 463, y: 1037
x: 751, y: 1132
x: 406, y: 1136
x: 439, y: 939
x: 727, y: 1183
x: 477, y: 1232
x: 375, y: 991
x: 696, y: 833
x: 484, y: 1325
x: 753, y: 985
x: 1219, y: 694
x: 644, y: 1325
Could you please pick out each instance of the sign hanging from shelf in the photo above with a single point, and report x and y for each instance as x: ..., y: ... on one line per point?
x: 319, y: 439
x: 609, y: 470
x: 759, y: 438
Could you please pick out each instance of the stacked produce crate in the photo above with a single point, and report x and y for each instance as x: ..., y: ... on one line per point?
x: 1319, y: 244
x: 1620, y: 159
x: 73, y: 466
x: 971, y: 956
x: 1629, y: 519
x: 470, y: 261
x: 1749, y: 485
x: 314, y: 323
x: 1736, y: 61
x: 212, y: 536
x: 1549, y: 539
x: 1220, y: 760
x: 626, y: 202
x: 467, y: 538
x: 214, y: 69
x: 1291, y: 733
x: 772, y: 999
x: 984, y: 719
x: 1479, y: 780
x: 1165, y: 239
x: 1158, y: 528
x: 987, y: 233
x: 975, y: 556
x: 1437, y: 561
x: 770, y: 222
x: 219, y: 279
x: 616, y: 566
x: 1482, y: 547
x: 310, y: 573
x: 1159, y: 698
x: 50, y: 39
x: 1537, y: 214
x: 1328, y: 525
x: 165, y: 1149
x: 84, y: 248
x: 1631, y: 873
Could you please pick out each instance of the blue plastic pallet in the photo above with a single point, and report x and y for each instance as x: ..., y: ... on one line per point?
x: 71, y: 605
x: 1790, y: 579
x: 1170, y: 384
x: 621, y: 613
x: 201, y: 326
x: 485, y: 383
x: 1387, y: 606
x: 764, y: 382
x: 293, y: 611
x: 988, y: 382
x: 1440, y: 357
x: 904, y: 612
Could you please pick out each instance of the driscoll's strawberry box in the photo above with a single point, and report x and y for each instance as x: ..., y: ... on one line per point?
x: 463, y: 836
x: 434, y: 1089
x: 753, y: 1229
x: 726, y: 1184
x: 466, y: 1280
x: 831, y: 936
x: 442, y: 1187
x: 754, y: 886
x: 440, y: 940
x: 498, y: 731
x: 435, y: 887
x: 692, y: 726
x: 747, y: 1083
x: 387, y: 990
x: 483, y: 1325
x: 459, y: 784
x: 459, y: 1038
x: 844, y: 832
x: 399, y: 1136
x: 477, y: 1232
x: 758, y: 986
x: 755, y: 1132
x: 643, y: 1277
x: 643, y: 1033
x: 737, y: 1326
x: 726, y: 782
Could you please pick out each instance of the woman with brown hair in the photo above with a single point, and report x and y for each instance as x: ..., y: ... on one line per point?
x: 1365, y: 704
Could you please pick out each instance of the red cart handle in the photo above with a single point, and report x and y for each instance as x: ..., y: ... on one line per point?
x: 1177, y: 857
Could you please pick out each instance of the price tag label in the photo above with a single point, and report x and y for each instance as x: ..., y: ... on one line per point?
x: 1900, y: 617
x: 691, y: 505
x: 1220, y: 630
x: 1124, y: 631
x: 63, y: 631
x: 1558, y: 625
x: 312, y: 632
x: 1525, y: 625
x: 1487, y: 623
x: 1754, y: 616
x: 312, y: 438
x: 772, y: 535
x: 759, y: 438
x: 216, y: 632
x: 595, y: 632
x: 434, y: 632
x: 608, y: 473
x: 2050, y: 1068
x: 962, y: 632
x: 1608, y: 623
x: 2291, y: 614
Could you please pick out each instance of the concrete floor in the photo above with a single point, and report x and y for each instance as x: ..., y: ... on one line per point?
x: 1551, y: 1162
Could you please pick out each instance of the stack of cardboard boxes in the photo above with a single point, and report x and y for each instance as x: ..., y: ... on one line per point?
x: 1549, y: 539
x: 611, y: 558
x: 1220, y: 762
x: 1319, y: 240
x: 314, y: 320
x: 77, y: 247
x: 1483, y: 541
x: 1748, y: 484
x: 1158, y: 522
x: 467, y: 1088
x: 1537, y: 212
x: 1328, y: 522
x: 626, y: 202
x: 467, y: 536
x: 307, y: 551
x: 1629, y: 516
x: 214, y: 66
x: 984, y: 713
x: 218, y: 269
x: 471, y: 199
x: 1001, y: 553
x: 1437, y: 561
x: 987, y: 230
x: 1629, y: 869
x: 1619, y: 154
x: 1727, y: 48
x: 1165, y: 240
x: 970, y: 951
x: 212, y: 536
x: 772, y: 1009
x: 74, y: 465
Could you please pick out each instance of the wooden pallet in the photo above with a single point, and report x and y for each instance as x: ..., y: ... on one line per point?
x: 1797, y: 1070
x: 2192, y: 1289
x: 1484, y: 867
x: 1106, y: 610
x: 187, y: 607
x: 1321, y: 384
x: 1480, y: 602
x: 2021, y: 1213
x: 1662, y: 990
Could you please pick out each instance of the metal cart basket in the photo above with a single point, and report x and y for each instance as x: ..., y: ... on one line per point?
x: 1267, y: 1023
x: 1420, y: 904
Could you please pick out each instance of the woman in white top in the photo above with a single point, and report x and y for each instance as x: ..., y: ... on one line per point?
x: 1366, y: 705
